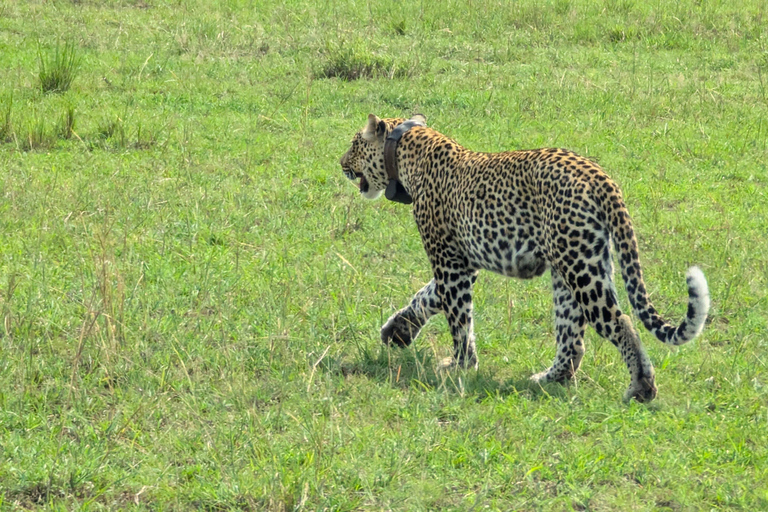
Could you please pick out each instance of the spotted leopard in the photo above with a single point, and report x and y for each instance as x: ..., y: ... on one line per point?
x: 519, y: 213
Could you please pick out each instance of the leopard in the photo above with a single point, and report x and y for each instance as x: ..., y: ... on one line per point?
x: 520, y: 214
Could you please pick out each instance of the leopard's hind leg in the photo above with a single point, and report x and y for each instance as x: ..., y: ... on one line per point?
x: 592, y: 286
x: 570, y: 324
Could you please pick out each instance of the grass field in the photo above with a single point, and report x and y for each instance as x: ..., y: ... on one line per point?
x: 191, y: 291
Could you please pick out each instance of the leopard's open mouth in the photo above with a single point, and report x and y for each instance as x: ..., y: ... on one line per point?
x: 349, y: 173
x: 363, y: 184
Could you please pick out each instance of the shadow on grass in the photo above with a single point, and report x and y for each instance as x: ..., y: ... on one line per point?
x: 417, y: 368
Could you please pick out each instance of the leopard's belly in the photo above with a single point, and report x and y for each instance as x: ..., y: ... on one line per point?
x: 504, y: 244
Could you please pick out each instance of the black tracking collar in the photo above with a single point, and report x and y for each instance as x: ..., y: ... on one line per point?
x: 395, y: 190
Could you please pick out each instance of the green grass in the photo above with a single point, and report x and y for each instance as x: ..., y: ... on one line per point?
x: 191, y: 291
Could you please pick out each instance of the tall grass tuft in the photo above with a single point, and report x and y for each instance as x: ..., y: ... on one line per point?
x: 67, y: 124
x: 37, y: 135
x: 114, y: 129
x: 59, y: 68
x: 6, y: 128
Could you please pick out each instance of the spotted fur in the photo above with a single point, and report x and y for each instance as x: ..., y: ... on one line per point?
x: 520, y: 213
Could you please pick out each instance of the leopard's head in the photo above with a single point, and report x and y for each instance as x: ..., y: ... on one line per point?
x: 365, y: 159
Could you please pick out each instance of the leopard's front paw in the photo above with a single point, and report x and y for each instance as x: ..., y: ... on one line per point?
x: 399, y: 330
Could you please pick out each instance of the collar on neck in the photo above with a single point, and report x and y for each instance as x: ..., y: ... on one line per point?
x: 395, y: 190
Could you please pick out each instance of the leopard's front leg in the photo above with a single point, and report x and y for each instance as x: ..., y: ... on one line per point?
x: 403, y: 327
x: 455, y: 290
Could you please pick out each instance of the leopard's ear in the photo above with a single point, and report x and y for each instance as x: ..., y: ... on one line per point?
x: 420, y: 117
x: 375, y: 129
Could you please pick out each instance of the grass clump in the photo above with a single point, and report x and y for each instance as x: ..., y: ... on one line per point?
x: 37, y: 134
x: 398, y: 27
x: 118, y: 133
x: 67, y: 123
x: 59, y: 68
x: 6, y: 127
x: 113, y: 128
x: 353, y: 62
x: 620, y: 34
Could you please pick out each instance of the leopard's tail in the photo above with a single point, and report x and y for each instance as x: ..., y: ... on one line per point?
x: 626, y: 245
